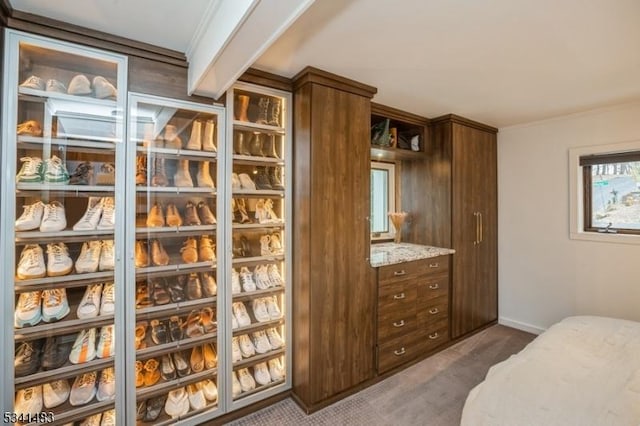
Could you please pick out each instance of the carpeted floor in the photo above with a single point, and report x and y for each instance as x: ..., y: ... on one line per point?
x: 430, y: 393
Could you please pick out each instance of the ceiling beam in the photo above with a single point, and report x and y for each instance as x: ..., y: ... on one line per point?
x: 231, y: 37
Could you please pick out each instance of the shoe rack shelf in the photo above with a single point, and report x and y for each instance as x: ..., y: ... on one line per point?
x: 186, y: 154
x: 62, y: 189
x: 257, y: 259
x: 247, y: 126
x: 177, y: 190
x: 65, y: 326
x: 250, y: 295
x: 178, y: 308
x: 165, y: 386
x: 68, y: 371
x: 159, y: 232
x: 73, y: 280
x: 248, y: 226
x: 74, y: 100
x: 67, y: 236
x: 176, y: 268
x: 170, y: 347
x: 67, y: 413
x: 72, y: 145
x: 259, y: 161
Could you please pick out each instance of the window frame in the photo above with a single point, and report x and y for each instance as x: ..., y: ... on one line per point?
x: 580, y: 161
x: 391, y: 196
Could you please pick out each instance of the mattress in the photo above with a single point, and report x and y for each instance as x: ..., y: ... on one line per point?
x: 582, y: 371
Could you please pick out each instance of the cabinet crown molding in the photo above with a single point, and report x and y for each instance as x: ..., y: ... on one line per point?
x: 453, y: 118
x: 314, y: 75
x: 267, y: 79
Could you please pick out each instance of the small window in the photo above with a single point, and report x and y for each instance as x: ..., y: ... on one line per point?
x: 611, y: 184
x: 382, y: 199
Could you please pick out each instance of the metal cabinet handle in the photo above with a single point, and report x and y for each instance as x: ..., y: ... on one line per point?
x: 434, y: 286
x: 399, y: 324
x: 476, y: 241
x: 434, y: 311
x: 399, y: 273
x: 481, y: 228
x: 434, y: 336
x: 399, y: 296
x: 434, y: 265
x: 399, y: 352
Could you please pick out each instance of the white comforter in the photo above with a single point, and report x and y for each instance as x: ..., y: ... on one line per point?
x: 582, y: 371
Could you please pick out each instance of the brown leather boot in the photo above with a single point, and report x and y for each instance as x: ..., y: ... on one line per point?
x: 159, y: 256
x: 159, y: 177
x: 191, y: 215
x: 206, y: 249
x: 255, y: 145
x: 263, y: 111
x: 141, y: 255
x: 241, y: 107
x: 141, y: 170
x: 274, y: 117
x: 205, y: 213
x: 194, y: 287
x: 269, y: 148
x: 209, y: 286
x: 189, y: 250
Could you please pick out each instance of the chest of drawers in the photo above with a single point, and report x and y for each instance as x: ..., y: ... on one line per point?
x: 413, y: 310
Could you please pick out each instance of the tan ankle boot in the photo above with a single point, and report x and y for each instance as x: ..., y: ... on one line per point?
x: 159, y: 256
x: 209, y: 132
x: 263, y: 111
x: 171, y: 138
x: 207, y: 249
x: 141, y: 255
x: 195, y: 140
x: 141, y: 170
x: 189, y: 251
x: 183, y: 178
x: 173, y: 216
x: 204, y: 176
x: 155, y: 218
x: 159, y: 177
x: 241, y: 107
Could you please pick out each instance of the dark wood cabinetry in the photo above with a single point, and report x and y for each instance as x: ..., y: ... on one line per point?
x: 464, y: 161
x: 334, y: 287
x: 413, y: 307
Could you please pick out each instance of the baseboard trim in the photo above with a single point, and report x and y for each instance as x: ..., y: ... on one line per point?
x: 520, y: 325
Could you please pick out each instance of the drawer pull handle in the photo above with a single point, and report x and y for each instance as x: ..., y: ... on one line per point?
x: 399, y: 324
x: 434, y: 286
x: 399, y: 273
x: 399, y: 296
x: 434, y: 336
x: 434, y: 265
x: 399, y: 352
x: 434, y: 311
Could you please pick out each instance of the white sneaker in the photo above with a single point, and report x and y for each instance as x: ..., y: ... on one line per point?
x: 106, y: 345
x: 107, y: 385
x: 28, y: 309
x: 246, y: 347
x: 107, y: 305
x: 246, y: 277
x: 235, y: 281
x: 84, y: 348
x: 272, y: 308
x: 58, y: 261
x: 55, y: 393
x: 55, y: 305
x: 177, y: 403
x: 209, y: 389
x: 28, y: 401
x: 275, y: 369
x: 196, y: 397
x: 31, y: 217
x: 236, y: 355
x: 108, y: 418
x: 107, y: 221
x: 274, y: 276
x: 55, y: 171
x: 31, y: 263
x: 107, y: 258
x: 83, y: 389
x: 54, y: 218
x: 261, y: 373
x: 88, y: 307
x: 241, y: 314
x: 236, y: 388
x: 261, y: 342
x: 89, y: 221
x: 31, y: 170
x: 246, y: 380
x: 89, y: 258
x: 262, y: 278
x: 275, y: 340
x: 260, y: 310
x: 246, y: 182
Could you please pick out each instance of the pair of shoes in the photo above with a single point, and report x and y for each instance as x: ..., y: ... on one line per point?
x: 149, y: 410
x: 197, y: 216
x: 106, y: 175
x: 160, y: 333
x: 55, y: 393
x: 269, y: 110
x: 84, y: 348
x: 82, y: 175
x: 147, y: 373
x: 156, y: 216
x: 270, y: 245
x: 267, y: 276
x: 261, y: 373
x: 100, y: 214
x: 31, y: 264
x: 27, y: 358
x: 203, y: 251
x: 177, y: 403
x: 264, y: 212
x: 201, y: 322
x: 106, y: 385
x: 240, y: 313
x: 239, y: 211
x: 29, y: 128
x: 96, y: 255
x: 98, y: 299
x: 266, y: 309
x: 83, y: 389
x: 197, y: 142
x: 29, y: 401
x: 34, y: 170
x: 100, y: 87
x: 56, y: 351
x: 244, y: 180
x: 46, y: 305
x: 45, y: 217
x: 247, y: 383
x: 159, y: 256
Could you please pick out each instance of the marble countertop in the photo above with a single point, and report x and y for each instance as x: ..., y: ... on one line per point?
x: 391, y: 253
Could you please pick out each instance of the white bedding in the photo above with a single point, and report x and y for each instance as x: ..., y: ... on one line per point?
x: 582, y: 371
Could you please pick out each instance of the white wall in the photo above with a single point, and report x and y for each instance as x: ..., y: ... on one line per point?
x: 543, y: 275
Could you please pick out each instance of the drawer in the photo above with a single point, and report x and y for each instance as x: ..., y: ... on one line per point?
x: 433, y: 312
x: 397, y: 296
x: 395, y: 324
x: 434, y: 336
x: 397, y: 351
x: 432, y: 287
x: 429, y: 266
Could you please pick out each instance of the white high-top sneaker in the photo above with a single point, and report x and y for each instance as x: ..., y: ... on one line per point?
x: 54, y: 218
x: 195, y: 140
x: 182, y: 178
x: 58, y: 261
x: 89, y: 221
x: 31, y: 170
x: 107, y: 221
x: 89, y: 258
x: 55, y: 305
x: 209, y: 130
x: 204, y: 177
x: 31, y: 217
x: 55, y: 171
x: 107, y: 258
x: 31, y: 263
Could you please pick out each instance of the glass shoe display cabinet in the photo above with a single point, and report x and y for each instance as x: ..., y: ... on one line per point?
x: 258, y: 243
x: 174, y: 217
x: 62, y: 216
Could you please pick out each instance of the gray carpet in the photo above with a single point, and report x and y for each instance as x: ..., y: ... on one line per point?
x: 430, y: 393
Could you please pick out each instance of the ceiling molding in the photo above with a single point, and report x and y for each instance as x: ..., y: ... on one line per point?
x: 267, y: 79
x: 325, y: 78
x: 5, y: 11
x: 205, y: 22
x: 387, y: 111
x: 453, y: 118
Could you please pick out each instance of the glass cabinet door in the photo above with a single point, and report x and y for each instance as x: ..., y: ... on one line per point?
x: 173, y: 210
x: 62, y: 210
x: 258, y: 277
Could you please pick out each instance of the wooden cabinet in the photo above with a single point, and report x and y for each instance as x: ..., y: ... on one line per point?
x: 333, y: 285
x: 413, y: 307
x: 469, y: 225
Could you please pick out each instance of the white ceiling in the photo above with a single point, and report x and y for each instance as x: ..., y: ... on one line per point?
x: 502, y: 62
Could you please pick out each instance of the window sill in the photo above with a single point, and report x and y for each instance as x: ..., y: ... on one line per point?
x: 605, y: 237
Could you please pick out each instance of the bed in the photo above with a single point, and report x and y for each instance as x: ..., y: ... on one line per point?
x: 584, y: 370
